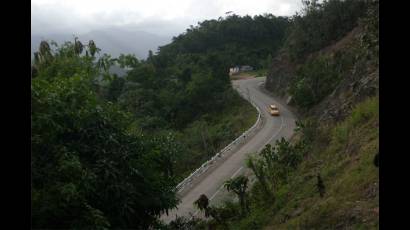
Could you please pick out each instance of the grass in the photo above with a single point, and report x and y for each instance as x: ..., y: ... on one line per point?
x: 343, y: 154
x: 350, y: 177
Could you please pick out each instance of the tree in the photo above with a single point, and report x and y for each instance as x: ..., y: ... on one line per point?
x: 78, y: 46
x: 320, y: 24
x: 42, y: 57
x: 93, y: 49
x: 105, y: 62
x: 274, y: 163
x: 202, y: 203
x: 238, y: 185
x: 128, y: 61
x: 314, y: 80
x: 258, y: 167
x: 63, y: 61
x: 89, y: 170
x: 150, y: 56
x: 115, y: 88
x: 166, y: 151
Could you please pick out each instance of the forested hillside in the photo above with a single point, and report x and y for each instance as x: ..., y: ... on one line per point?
x: 326, y: 176
x: 108, y: 151
x: 234, y: 40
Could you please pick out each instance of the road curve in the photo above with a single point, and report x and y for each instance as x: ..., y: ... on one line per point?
x: 273, y: 128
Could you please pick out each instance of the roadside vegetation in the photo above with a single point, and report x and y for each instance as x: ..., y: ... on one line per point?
x: 89, y: 169
x: 108, y: 151
x: 326, y: 176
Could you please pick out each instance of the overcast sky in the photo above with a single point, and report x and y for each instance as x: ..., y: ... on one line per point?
x: 157, y: 16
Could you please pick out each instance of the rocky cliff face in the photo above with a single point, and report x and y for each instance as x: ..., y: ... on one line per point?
x: 358, y: 83
x: 339, y: 104
x: 280, y: 75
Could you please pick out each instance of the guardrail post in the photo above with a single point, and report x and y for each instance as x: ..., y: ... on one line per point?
x: 181, y: 186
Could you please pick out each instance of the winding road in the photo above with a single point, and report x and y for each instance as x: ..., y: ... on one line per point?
x: 272, y: 129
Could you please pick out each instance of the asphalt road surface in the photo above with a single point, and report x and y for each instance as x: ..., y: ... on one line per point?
x: 273, y: 128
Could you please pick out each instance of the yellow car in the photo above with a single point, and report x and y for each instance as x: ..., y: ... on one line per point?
x: 273, y: 110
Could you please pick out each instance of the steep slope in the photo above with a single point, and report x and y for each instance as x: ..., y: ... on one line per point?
x: 334, y: 183
x: 283, y: 70
x: 280, y: 75
x: 343, y: 155
x: 359, y: 80
x: 343, y: 129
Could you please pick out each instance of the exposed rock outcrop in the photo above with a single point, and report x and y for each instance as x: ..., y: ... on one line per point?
x: 357, y: 84
x: 280, y: 74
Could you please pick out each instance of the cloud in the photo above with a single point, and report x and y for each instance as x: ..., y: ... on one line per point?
x: 159, y: 16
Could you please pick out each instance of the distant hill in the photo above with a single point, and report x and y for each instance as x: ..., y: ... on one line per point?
x: 114, y: 40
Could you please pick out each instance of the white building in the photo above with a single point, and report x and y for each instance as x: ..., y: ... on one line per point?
x: 238, y: 69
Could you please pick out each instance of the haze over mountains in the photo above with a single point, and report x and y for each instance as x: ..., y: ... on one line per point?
x: 112, y: 40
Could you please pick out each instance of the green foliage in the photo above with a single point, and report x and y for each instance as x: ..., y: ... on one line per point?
x: 267, y: 63
x: 213, y: 131
x: 364, y: 112
x: 92, y: 129
x: 272, y: 169
x: 229, y: 210
x: 342, y: 154
x: 237, y: 40
x: 184, y: 223
x: 62, y: 62
x: 187, y: 81
x: 93, y: 49
x: 347, y: 177
x: 320, y: 24
x: 319, y: 75
x: 258, y: 167
x: 115, y: 88
x: 275, y: 163
x: 108, y: 151
x: 370, y: 38
x: 88, y: 170
x: 314, y: 80
x: 238, y: 185
x: 348, y: 173
x: 129, y: 61
x: 202, y: 204
x: 196, y: 101
x: 308, y: 128
x: 361, y: 114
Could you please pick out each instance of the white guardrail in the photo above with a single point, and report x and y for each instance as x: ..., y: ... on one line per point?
x: 239, y: 140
